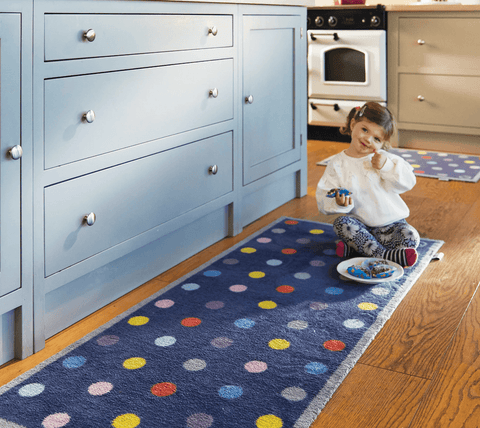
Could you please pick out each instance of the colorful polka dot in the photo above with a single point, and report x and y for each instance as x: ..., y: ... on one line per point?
x: 256, y: 274
x: 294, y: 393
x: 212, y: 273
x: 136, y: 321
x: 164, y: 389
x: 334, y: 291
x: 318, y: 306
x: 380, y: 291
x: 303, y: 241
x: 190, y: 287
x: 298, y: 325
x: 100, y: 388
x: 230, y: 391
x: 31, y: 390
x: 164, y: 304
x: 238, y: 288
x: 255, y: 366
x: 317, y: 263
x: 317, y: 231
x: 57, y: 420
x: 279, y: 344
x: 274, y: 262
x: 267, y: 304
x: 134, y: 363
x: 231, y: 261
x: 221, y: 342
x: 302, y: 275
x: 199, y: 420
x: 278, y: 231
x: 194, y: 365
x: 334, y: 345
x: 269, y: 421
x: 285, y: 289
x: 248, y: 250
x: 191, y: 322
x: 353, y: 324
x: 108, y: 340
x: 165, y: 341
x: 215, y: 304
x: 128, y: 420
x: 469, y: 161
x: 316, y: 368
x: 365, y: 306
x: 244, y: 323
x: 289, y: 251
x: 291, y: 222
x: 74, y: 362
x: 264, y: 240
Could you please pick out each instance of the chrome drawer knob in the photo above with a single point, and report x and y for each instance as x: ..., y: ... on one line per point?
x: 420, y: 42
x: 89, y: 35
x: 16, y: 152
x: 90, y: 219
x: 213, y: 31
x: 89, y: 116
x: 249, y: 99
x: 213, y: 169
x: 214, y: 93
x: 421, y: 98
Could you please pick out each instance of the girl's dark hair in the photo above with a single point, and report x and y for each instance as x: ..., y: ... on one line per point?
x: 373, y: 112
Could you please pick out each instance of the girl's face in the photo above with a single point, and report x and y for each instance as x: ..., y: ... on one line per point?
x: 367, y: 138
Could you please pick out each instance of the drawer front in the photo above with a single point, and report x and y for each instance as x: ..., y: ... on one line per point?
x: 447, y: 100
x: 443, y: 43
x: 133, y: 106
x: 66, y: 38
x: 132, y: 198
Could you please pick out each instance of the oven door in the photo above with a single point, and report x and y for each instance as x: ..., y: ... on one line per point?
x: 347, y: 64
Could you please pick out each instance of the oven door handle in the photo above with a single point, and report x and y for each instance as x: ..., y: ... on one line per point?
x: 335, y: 106
x: 334, y: 35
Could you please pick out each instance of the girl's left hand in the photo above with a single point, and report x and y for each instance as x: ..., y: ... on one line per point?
x: 378, y: 160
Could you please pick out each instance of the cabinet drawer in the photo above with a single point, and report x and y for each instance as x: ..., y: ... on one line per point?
x: 133, y: 34
x: 132, y: 107
x: 132, y: 198
x: 442, y: 43
x: 448, y: 100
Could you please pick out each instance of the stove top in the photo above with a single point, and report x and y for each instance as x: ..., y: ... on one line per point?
x: 347, y: 18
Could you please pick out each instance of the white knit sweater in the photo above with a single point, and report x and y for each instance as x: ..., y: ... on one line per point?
x: 375, y: 193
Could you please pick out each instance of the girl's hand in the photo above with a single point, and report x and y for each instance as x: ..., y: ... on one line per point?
x: 378, y: 160
x: 342, y: 200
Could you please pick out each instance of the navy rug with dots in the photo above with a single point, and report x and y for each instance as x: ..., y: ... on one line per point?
x: 444, y: 166
x: 261, y: 336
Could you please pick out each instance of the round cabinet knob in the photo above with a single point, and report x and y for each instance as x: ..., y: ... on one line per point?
x: 214, y: 93
x: 90, y: 219
x: 249, y: 99
x: 89, y: 116
x: 213, y: 169
x: 89, y: 35
x: 420, y: 42
x: 332, y: 21
x: 16, y: 152
x: 375, y: 21
x: 421, y: 98
x: 213, y: 31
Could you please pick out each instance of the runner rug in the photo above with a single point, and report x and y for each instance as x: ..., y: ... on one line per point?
x: 444, y: 166
x: 260, y: 336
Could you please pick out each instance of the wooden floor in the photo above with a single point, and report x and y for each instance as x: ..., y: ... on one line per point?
x: 423, y: 368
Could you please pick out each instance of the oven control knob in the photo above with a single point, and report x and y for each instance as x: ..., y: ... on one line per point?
x: 332, y: 21
x: 375, y: 21
x: 319, y: 21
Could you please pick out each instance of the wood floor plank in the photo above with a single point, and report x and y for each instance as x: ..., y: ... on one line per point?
x: 372, y: 397
x: 453, y: 398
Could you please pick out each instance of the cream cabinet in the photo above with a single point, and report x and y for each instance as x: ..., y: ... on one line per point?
x: 434, y: 79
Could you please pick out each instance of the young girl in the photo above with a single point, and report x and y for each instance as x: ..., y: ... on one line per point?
x: 374, y: 224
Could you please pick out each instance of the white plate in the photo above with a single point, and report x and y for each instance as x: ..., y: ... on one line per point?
x: 343, y: 266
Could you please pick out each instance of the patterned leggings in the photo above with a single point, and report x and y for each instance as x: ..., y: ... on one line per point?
x: 374, y: 241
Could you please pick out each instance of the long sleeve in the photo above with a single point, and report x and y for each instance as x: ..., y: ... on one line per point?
x: 398, y: 174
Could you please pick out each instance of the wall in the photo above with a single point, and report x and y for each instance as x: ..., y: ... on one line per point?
x: 369, y: 2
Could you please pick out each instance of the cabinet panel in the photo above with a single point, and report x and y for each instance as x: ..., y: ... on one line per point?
x: 448, y: 44
x: 9, y: 168
x: 132, y: 198
x: 132, y: 107
x: 133, y: 34
x: 448, y: 100
x: 271, y: 134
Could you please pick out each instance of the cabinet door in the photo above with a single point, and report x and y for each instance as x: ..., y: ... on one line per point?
x: 271, y: 112
x: 9, y: 167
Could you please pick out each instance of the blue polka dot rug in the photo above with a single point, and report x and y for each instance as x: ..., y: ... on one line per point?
x: 259, y: 337
x: 443, y: 166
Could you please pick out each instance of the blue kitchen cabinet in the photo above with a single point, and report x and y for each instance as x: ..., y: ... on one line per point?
x: 15, y: 257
